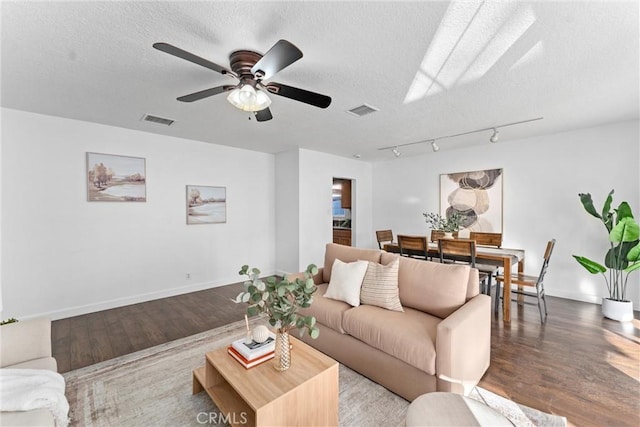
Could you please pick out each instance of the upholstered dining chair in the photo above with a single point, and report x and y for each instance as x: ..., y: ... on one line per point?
x: 463, y: 250
x: 486, y: 239
x: 384, y: 236
x: 522, y: 280
x: 413, y: 246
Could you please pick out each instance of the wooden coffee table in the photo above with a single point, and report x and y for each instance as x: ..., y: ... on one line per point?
x: 305, y: 394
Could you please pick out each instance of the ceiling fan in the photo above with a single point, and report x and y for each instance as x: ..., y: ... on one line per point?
x: 251, y: 69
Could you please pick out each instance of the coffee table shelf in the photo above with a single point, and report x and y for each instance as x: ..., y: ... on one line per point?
x: 306, y: 394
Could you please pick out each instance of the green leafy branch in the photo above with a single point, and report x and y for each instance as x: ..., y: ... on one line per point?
x: 280, y: 300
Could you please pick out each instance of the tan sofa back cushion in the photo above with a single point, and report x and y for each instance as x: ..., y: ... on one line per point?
x: 437, y: 289
x: 346, y: 254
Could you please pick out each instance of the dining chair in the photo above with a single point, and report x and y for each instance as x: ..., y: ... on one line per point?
x: 384, y: 236
x: 439, y: 234
x: 486, y: 239
x: 413, y: 246
x: 463, y: 250
x: 537, y: 282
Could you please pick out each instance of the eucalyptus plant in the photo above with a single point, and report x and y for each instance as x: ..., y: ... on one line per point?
x: 623, y: 255
x: 450, y: 223
x: 280, y: 300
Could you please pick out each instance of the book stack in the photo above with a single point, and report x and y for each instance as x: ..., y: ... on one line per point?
x: 250, y: 355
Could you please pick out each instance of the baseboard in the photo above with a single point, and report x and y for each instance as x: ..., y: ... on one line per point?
x: 594, y: 299
x: 133, y: 299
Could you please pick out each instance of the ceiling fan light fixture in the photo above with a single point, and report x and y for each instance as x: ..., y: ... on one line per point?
x: 246, y: 98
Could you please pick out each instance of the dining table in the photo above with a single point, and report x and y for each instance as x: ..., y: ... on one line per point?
x: 502, y: 257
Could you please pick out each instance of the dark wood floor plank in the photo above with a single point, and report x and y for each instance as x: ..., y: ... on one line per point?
x: 578, y: 365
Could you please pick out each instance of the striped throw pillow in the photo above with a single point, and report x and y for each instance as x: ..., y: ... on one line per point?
x: 380, y: 286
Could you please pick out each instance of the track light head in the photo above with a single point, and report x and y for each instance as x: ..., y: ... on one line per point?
x: 494, y: 137
x: 396, y: 152
x: 434, y: 146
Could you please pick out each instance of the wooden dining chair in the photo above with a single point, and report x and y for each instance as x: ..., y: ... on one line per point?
x: 486, y: 239
x: 439, y: 234
x: 413, y: 246
x: 522, y: 280
x: 462, y: 250
x: 384, y: 236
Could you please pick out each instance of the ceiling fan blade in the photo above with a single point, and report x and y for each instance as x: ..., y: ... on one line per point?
x: 264, y: 115
x: 205, y: 93
x: 281, y: 55
x: 183, y: 54
x: 311, y: 98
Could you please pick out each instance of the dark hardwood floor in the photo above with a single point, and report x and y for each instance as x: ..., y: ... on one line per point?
x: 578, y: 365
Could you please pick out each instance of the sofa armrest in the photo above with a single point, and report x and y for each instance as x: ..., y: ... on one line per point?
x: 463, y: 346
x: 25, y: 340
x: 317, y: 278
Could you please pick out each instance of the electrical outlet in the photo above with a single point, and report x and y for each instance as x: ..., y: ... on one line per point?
x: 188, y: 276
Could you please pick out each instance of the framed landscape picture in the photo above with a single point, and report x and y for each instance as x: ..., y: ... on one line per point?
x: 476, y: 196
x: 113, y: 178
x: 206, y: 205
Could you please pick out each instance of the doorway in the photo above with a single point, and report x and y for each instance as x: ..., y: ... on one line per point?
x: 342, y: 210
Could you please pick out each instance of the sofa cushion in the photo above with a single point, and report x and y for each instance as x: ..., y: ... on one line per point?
x: 48, y: 363
x: 346, y: 281
x: 326, y: 310
x: 409, y: 336
x: 437, y: 289
x: 346, y: 254
x: 36, y: 417
x: 380, y: 286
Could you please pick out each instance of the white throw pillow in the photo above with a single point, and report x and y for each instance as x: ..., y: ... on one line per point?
x: 346, y: 280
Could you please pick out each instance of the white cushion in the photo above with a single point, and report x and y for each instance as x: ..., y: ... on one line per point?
x: 346, y: 280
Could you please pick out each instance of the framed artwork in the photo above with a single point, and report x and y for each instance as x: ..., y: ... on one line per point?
x: 113, y: 178
x: 206, y: 205
x: 477, y: 196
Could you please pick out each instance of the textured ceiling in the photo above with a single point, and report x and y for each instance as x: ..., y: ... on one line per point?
x: 431, y: 68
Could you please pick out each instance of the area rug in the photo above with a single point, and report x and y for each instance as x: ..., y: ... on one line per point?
x: 152, y: 387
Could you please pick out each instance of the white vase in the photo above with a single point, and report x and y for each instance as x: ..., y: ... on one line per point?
x: 448, y: 235
x: 621, y: 311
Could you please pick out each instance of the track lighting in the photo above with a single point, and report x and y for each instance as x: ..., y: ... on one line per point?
x: 435, y: 147
x: 494, y: 137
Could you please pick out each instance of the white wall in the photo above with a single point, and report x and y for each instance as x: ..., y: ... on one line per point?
x: 312, y: 205
x: 317, y: 171
x: 62, y: 255
x: 542, y: 179
x: 287, y: 218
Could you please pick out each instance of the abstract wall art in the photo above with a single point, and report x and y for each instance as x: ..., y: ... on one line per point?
x: 477, y: 196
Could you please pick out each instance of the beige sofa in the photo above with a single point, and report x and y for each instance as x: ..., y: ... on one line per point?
x: 441, y: 342
x: 27, y: 345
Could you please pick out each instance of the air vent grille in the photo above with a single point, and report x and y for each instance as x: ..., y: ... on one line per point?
x: 363, y: 110
x: 158, y: 120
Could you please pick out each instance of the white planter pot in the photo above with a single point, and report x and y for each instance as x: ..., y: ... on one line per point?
x: 621, y: 311
x: 448, y: 235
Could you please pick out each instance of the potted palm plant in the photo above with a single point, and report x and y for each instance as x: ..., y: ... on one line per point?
x: 622, y: 257
x: 280, y: 301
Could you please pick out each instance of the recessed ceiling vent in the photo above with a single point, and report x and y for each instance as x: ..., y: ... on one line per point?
x: 363, y: 110
x: 158, y: 120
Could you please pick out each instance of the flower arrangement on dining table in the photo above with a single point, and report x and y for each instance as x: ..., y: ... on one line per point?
x: 449, y: 223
